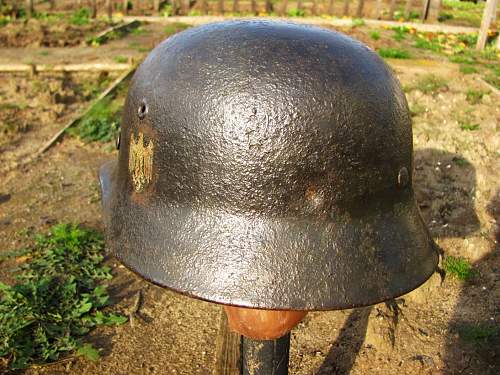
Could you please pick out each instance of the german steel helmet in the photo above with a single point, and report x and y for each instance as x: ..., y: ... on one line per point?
x: 267, y: 165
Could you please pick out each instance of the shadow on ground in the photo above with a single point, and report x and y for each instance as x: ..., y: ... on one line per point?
x: 444, y: 186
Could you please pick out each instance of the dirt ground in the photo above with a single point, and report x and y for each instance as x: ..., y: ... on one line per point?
x: 456, y: 182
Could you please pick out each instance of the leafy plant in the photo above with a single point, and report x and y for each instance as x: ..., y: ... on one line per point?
x: 296, y: 13
x: 80, y: 17
x: 400, y: 32
x: 57, y: 299
x: 375, y: 35
x: 474, y: 96
x: 358, y: 22
x: 459, y: 268
x: 101, y: 124
x: 175, y: 27
x: 121, y: 59
x: 394, y: 53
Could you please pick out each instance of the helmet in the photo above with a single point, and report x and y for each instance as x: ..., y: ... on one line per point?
x: 268, y: 165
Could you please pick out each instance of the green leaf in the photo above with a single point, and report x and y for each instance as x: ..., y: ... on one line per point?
x: 113, y: 319
x: 89, y: 352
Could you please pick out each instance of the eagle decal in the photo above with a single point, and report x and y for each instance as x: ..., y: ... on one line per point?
x: 140, y: 162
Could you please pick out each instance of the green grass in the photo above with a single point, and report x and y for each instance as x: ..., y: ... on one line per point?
x: 101, y: 124
x: 393, y: 53
x: 58, y: 298
x: 358, y: 22
x: 474, y: 96
x: 430, y: 84
x: 468, y: 126
x: 431, y: 45
x: 121, y: 59
x: 295, y: 13
x: 400, y: 33
x: 459, y: 268
x: 175, y: 27
x: 375, y: 35
x: 479, y: 334
x: 467, y: 69
x: 80, y: 17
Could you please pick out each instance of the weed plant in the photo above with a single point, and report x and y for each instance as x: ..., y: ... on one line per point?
x: 459, y: 268
x: 58, y: 298
x: 393, y: 53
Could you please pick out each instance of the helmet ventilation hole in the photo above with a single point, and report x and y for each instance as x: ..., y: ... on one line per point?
x: 142, y: 110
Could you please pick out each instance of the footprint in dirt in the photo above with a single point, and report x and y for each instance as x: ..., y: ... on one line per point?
x: 444, y: 186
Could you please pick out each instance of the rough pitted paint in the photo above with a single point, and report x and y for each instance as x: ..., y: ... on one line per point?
x: 277, y: 155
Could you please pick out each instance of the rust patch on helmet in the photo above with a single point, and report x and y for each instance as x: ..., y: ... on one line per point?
x: 140, y: 163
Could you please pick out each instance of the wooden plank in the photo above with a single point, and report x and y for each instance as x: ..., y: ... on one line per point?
x: 407, y: 11
x: 228, y: 350
x: 284, y: 8
x: 236, y: 7
x: 378, y: 9
x: 490, y: 7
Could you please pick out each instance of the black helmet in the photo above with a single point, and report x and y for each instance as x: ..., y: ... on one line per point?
x: 268, y: 165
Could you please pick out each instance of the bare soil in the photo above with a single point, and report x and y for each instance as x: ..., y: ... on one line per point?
x: 39, y: 33
x: 456, y: 182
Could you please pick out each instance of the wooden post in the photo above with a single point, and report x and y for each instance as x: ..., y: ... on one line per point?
x: 491, y: 6
x: 125, y: 7
x: 109, y: 9
x: 253, y: 7
x: 284, y: 8
x: 204, y: 7
x: 30, y: 9
x: 184, y: 7
x: 52, y: 4
x: 299, y: 5
x: 269, y: 6
x: 94, y: 9
x: 315, y: 7
x: 392, y: 9
x: 330, y: 7
x: 378, y: 9
x: 408, y: 6
x: 156, y: 6
x: 236, y: 7
x: 434, y: 9
x: 346, y: 8
x: 221, y: 7
x: 359, y: 10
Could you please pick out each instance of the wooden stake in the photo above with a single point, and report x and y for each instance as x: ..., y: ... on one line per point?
x: 125, y: 7
x: 228, y: 349
x: 315, y: 7
x: 156, y: 6
x: 236, y: 7
x: 30, y: 9
x: 204, y: 7
x: 392, y: 9
x: 269, y: 6
x: 284, y: 8
x: 491, y: 6
x: 221, y: 7
x: 359, y: 10
x: 378, y: 9
x: 253, y: 7
x: 330, y: 7
x: 109, y: 9
x: 346, y: 8
x: 94, y: 8
x: 407, y: 12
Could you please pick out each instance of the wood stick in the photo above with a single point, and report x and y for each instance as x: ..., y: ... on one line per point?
x: 236, y: 7
x: 359, y: 10
x: 392, y: 9
x: 228, y: 349
x: 490, y: 7
x: 30, y: 9
x: 346, y: 8
x: 330, y: 7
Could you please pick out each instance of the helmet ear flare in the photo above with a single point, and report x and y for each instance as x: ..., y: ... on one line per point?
x: 260, y: 324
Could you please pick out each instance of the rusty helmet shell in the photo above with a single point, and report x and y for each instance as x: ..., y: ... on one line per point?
x: 267, y: 165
